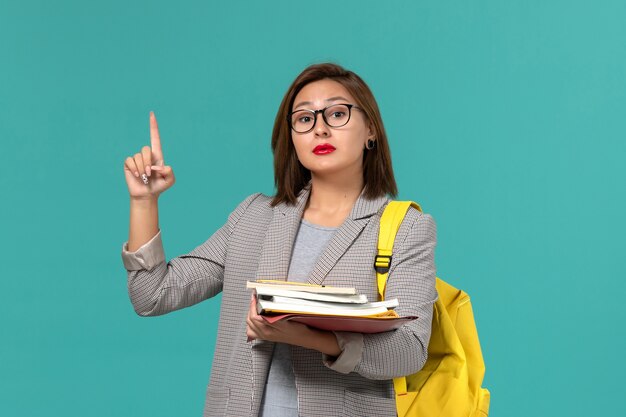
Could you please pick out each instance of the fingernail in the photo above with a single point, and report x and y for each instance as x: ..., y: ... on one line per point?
x: 148, y: 170
x: 144, y: 178
x: 136, y: 174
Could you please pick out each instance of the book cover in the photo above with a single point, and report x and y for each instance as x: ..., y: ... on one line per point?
x: 299, y: 286
x: 345, y: 324
x: 292, y: 305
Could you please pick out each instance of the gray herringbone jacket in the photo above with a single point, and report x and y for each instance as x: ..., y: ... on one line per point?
x: 256, y: 243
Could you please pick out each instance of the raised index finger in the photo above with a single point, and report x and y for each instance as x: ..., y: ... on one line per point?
x: 155, y: 140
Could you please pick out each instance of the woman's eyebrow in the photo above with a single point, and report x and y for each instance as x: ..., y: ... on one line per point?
x: 336, y: 98
x: 327, y: 100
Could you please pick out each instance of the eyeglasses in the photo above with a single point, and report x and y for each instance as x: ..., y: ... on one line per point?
x: 337, y: 115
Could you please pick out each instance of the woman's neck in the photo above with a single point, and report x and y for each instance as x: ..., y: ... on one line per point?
x: 331, y: 200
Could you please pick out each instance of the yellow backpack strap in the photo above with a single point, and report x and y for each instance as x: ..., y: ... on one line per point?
x: 389, y: 224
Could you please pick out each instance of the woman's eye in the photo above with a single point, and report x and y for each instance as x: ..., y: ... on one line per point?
x: 305, y: 119
x: 338, y: 114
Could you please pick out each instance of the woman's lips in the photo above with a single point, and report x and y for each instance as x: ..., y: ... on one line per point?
x: 323, y: 149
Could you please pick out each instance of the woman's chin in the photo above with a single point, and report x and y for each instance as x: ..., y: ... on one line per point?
x: 335, y: 171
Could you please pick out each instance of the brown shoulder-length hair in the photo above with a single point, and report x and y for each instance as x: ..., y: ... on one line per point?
x: 290, y: 176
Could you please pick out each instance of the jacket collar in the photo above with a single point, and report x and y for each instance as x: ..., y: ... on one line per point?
x: 282, y: 230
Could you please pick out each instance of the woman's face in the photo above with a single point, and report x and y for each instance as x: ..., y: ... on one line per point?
x: 330, y: 150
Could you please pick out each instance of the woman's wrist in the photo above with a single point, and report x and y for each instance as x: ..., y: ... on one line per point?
x: 144, y: 222
x: 144, y: 202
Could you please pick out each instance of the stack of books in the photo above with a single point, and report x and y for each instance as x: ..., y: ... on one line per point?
x: 325, y: 307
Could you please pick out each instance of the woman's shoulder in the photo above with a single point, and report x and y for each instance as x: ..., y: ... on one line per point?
x: 418, y: 222
x: 256, y: 204
x: 421, y: 225
x: 257, y: 199
x: 419, y: 215
x: 254, y: 208
x: 413, y: 214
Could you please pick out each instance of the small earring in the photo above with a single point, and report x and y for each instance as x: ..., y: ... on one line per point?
x: 371, y: 144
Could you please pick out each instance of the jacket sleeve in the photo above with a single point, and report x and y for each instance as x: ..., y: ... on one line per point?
x: 412, y: 281
x: 156, y: 287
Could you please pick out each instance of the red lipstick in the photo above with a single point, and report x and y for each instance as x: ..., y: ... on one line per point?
x: 323, y: 149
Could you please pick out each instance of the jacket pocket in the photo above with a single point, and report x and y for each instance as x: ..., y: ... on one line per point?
x: 360, y: 405
x: 216, y: 402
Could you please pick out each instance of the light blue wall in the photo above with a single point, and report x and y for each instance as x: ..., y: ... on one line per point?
x: 506, y: 121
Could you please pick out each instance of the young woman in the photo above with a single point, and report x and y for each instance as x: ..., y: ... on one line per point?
x: 333, y: 176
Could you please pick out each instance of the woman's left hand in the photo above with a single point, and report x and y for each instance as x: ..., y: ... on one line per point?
x: 291, y: 332
x: 283, y: 331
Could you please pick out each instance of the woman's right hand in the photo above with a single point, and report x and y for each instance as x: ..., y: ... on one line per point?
x: 148, y: 161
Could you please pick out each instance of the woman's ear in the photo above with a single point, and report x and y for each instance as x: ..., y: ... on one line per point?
x: 371, y: 132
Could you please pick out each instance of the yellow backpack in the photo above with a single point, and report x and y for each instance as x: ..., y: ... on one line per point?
x: 449, y: 384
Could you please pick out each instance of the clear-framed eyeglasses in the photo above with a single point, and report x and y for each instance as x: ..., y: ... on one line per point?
x: 337, y: 115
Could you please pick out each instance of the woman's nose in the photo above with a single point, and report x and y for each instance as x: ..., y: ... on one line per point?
x: 321, y: 128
